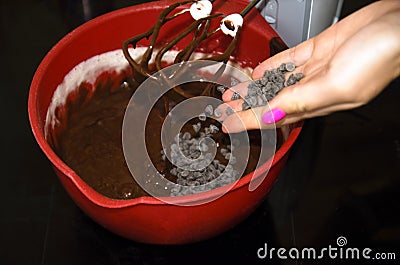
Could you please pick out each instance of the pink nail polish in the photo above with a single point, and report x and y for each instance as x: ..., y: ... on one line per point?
x: 273, y: 116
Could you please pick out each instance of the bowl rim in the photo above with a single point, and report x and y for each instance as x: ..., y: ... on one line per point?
x: 87, y: 191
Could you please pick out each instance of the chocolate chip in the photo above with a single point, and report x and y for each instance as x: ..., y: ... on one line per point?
x: 213, y: 128
x: 196, y: 127
x: 235, y: 96
x: 202, y: 116
x: 298, y: 76
x: 217, y: 113
x: 209, y: 110
x: 221, y: 89
x: 229, y: 111
x: 290, y: 67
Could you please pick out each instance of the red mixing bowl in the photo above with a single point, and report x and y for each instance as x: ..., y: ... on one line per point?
x: 147, y: 219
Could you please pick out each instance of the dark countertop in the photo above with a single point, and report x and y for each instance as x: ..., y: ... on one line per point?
x: 342, y: 177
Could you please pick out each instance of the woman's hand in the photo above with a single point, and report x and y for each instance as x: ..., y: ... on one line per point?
x: 344, y: 67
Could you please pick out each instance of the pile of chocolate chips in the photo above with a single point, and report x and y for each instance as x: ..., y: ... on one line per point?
x: 263, y: 90
x: 195, y: 167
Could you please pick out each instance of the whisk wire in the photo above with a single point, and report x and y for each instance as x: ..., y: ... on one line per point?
x: 200, y: 29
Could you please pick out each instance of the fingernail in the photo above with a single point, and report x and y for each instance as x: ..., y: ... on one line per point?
x: 273, y: 116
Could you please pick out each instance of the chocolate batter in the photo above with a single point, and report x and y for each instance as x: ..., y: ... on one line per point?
x: 91, y: 141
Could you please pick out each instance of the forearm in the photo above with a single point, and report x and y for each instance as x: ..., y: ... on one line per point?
x: 367, y: 61
x: 364, y: 17
x: 390, y: 23
x: 370, y: 13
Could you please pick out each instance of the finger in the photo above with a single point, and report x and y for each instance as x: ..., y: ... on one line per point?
x: 245, y: 120
x: 226, y: 109
x: 298, y: 55
x: 311, y: 94
x: 240, y: 88
x: 289, y: 119
x: 235, y: 105
x: 317, y: 94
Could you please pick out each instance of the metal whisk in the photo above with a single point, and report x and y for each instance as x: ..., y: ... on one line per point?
x: 200, y: 27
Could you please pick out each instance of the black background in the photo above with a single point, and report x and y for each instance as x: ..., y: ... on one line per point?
x: 342, y: 177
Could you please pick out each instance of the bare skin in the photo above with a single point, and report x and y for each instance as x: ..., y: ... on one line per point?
x: 345, y: 67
